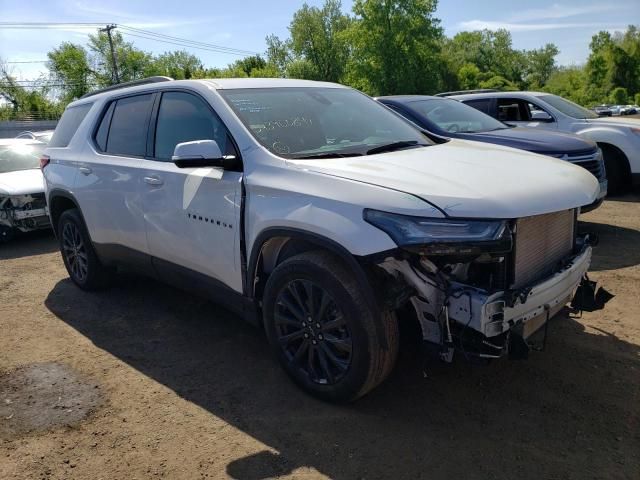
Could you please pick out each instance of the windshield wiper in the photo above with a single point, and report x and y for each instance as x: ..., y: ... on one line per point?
x: 390, y: 147
x: 327, y: 155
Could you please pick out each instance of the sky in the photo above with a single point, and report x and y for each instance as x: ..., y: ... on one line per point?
x: 243, y: 24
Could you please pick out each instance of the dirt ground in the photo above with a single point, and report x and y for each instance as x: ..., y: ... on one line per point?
x: 143, y: 381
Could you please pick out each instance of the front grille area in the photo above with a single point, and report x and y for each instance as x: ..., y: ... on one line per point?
x: 541, y: 242
x: 592, y: 162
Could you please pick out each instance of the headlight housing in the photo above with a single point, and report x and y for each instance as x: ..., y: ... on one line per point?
x: 442, y: 236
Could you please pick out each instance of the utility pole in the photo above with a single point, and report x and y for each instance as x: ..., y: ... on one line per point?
x: 108, y: 29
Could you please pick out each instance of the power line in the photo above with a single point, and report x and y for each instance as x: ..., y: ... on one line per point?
x: 28, y: 25
x: 129, y: 34
x: 191, y: 42
x: 137, y: 32
x: 28, y: 61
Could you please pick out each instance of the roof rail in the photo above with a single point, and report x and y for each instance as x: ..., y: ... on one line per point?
x: 464, y: 92
x: 133, y: 83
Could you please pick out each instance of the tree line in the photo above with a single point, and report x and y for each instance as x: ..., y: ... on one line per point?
x: 381, y: 47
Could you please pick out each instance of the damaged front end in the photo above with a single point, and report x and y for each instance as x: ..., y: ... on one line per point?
x: 484, y: 287
x: 22, y: 213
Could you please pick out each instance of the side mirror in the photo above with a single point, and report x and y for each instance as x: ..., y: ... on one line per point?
x: 540, y: 116
x: 200, y: 153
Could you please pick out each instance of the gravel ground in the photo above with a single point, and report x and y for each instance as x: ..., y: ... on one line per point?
x: 143, y: 381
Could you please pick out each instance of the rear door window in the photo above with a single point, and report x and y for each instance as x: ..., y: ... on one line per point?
x: 484, y: 105
x: 513, y: 110
x: 129, y: 125
x: 68, y: 124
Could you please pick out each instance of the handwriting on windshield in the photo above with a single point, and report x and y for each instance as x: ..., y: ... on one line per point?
x: 296, y: 122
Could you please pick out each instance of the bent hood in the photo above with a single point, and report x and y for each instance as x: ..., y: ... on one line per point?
x: 22, y: 182
x: 533, y: 140
x: 471, y: 179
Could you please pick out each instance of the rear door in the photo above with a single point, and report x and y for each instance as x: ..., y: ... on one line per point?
x: 192, y: 215
x: 110, y: 176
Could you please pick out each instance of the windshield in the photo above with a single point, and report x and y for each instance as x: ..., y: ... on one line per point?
x: 568, y: 108
x: 20, y: 156
x: 453, y: 116
x: 320, y: 122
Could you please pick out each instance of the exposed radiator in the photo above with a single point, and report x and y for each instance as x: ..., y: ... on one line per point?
x: 541, y: 242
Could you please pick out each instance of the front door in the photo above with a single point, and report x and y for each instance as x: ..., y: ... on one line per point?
x: 192, y: 215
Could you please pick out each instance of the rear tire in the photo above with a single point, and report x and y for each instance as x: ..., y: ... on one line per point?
x: 322, y: 329
x: 78, y: 254
x: 617, y: 168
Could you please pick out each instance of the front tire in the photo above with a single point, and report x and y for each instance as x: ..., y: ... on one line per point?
x: 322, y: 329
x: 78, y: 254
x: 617, y: 168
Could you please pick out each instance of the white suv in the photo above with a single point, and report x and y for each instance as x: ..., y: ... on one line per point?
x: 618, y: 138
x: 318, y: 213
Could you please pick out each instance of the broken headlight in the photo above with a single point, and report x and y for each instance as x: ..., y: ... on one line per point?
x: 442, y: 236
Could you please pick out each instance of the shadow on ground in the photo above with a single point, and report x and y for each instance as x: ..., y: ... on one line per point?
x: 28, y: 245
x: 619, y: 247
x: 631, y: 197
x: 569, y: 412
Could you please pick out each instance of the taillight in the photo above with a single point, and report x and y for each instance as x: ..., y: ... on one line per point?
x: 44, y: 161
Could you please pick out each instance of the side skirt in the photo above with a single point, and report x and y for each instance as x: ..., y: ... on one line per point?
x: 180, y: 277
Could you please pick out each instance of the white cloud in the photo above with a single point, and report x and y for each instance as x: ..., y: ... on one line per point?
x: 525, y: 27
x: 557, y: 11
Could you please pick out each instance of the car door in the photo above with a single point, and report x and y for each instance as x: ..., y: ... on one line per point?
x: 192, y: 215
x: 109, y: 181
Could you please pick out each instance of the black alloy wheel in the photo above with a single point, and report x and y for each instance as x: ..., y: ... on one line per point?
x: 75, y: 252
x: 312, y: 332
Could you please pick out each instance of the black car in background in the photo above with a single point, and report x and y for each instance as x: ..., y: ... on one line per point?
x: 443, y: 117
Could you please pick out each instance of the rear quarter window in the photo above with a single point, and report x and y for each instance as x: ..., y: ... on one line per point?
x: 68, y: 125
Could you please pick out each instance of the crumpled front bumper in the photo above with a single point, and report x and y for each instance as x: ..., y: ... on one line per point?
x: 497, y: 313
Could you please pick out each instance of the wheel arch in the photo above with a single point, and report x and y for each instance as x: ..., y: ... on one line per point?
x: 274, y: 245
x: 59, y: 201
x: 620, y: 157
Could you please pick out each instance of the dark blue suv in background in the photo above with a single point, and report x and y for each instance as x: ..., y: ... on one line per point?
x: 443, y: 117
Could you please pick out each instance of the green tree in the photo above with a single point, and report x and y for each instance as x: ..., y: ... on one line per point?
x: 619, y: 96
x: 614, y: 61
x: 132, y: 62
x: 318, y: 36
x: 540, y: 64
x: 498, y: 82
x: 637, y: 99
x: 179, y: 65
x: 570, y: 83
x: 396, y: 47
x: 26, y: 102
x: 492, y: 52
x: 469, y: 76
x: 278, y: 53
x: 69, y: 65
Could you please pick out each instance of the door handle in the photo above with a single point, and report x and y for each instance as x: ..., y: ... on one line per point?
x: 153, y: 180
x: 85, y: 170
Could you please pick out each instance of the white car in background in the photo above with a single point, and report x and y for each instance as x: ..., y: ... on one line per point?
x: 41, y: 136
x: 22, y: 201
x: 619, y: 138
